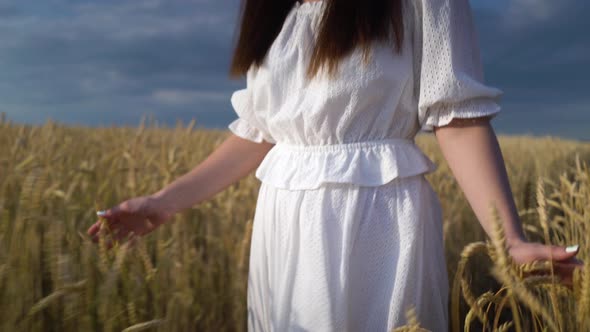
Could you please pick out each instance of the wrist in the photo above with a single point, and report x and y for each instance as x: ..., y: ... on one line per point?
x: 514, y: 233
x: 515, y: 240
x: 161, y: 203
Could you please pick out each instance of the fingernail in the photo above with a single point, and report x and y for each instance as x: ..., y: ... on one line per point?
x: 573, y: 248
x: 101, y: 213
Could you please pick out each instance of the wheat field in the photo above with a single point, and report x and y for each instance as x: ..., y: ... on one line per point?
x: 191, y: 274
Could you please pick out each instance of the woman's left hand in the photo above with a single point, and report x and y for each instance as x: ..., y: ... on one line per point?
x: 564, y: 260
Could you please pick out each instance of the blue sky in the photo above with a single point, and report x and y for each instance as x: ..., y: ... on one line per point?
x: 108, y: 62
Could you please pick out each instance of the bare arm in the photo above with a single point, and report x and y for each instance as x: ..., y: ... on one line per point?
x: 471, y: 149
x: 475, y: 159
x: 231, y: 161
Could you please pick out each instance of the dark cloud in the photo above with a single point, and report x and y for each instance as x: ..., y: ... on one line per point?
x: 110, y: 60
x: 99, y: 62
x: 538, y: 54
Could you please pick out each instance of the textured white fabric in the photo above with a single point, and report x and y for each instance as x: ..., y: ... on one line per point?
x: 347, y: 258
x: 347, y: 229
x: 367, y: 163
x: 448, y: 63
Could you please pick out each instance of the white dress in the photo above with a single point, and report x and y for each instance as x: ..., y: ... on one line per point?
x: 347, y: 232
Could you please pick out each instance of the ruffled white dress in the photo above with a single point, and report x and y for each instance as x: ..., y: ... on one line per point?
x: 347, y: 233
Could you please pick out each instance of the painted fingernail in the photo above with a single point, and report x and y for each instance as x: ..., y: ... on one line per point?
x: 573, y: 248
x: 101, y: 213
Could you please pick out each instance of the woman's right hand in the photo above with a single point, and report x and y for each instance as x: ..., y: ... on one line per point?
x: 232, y: 160
x: 133, y: 217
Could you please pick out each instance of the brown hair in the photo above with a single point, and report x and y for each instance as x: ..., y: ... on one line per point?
x: 345, y: 24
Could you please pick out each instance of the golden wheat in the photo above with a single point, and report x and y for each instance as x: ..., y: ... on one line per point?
x: 550, y: 304
x: 192, y: 274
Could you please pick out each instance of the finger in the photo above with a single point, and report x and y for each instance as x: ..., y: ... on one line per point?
x: 566, y: 268
x: 105, y: 213
x: 565, y: 273
x: 112, y: 213
x: 110, y: 225
x: 555, y: 252
x: 95, y: 236
x: 559, y: 267
x: 94, y: 228
x: 567, y: 280
x: 573, y: 260
x: 565, y: 252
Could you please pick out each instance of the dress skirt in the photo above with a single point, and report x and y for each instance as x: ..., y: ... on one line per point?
x: 345, y: 257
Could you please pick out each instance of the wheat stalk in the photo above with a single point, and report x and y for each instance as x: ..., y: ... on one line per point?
x: 460, y: 283
x: 545, y: 226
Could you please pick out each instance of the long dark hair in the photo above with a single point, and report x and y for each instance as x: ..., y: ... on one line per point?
x: 345, y: 24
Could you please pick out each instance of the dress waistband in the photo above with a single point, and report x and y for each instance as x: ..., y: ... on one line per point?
x: 366, y: 163
x: 343, y: 146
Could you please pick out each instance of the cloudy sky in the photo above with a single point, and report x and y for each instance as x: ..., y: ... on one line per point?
x: 107, y: 62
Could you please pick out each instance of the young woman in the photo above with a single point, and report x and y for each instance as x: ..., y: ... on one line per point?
x: 348, y: 232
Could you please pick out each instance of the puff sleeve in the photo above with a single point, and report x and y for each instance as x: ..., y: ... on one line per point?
x: 448, y: 64
x: 249, y: 124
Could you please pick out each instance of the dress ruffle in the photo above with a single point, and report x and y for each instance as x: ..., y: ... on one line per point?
x: 368, y: 163
x: 247, y: 125
x: 471, y: 108
x: 244, y: 130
